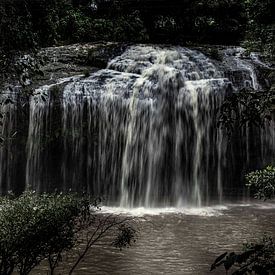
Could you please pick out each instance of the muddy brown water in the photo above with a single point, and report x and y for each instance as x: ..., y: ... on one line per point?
x: 178, y: 241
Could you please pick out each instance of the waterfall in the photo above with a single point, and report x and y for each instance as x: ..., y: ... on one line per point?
x: 7, y: 132
x: 40, y: 132
x: 143, y: 131
x: 36, y: 165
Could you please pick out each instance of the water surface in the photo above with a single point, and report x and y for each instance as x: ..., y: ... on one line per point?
x: 181, y: 241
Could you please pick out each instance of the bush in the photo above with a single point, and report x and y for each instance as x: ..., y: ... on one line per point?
x: 26, y: 24
x: 44, y: 227
x: 245, y: 108
x: 219, y: 21
x: 34, y: 228
x: 76, y: 26
x: 16, y: 29
x: 130, y: 27
x: 257, y: 258
x: 260, y: 29
x: 262, y: 183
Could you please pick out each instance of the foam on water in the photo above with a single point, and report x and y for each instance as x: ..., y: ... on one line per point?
x: 208, y: 211
x: 189, y: 211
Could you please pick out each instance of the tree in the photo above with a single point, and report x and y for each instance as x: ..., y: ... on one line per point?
x: 45, y: 227
x: 260, y: 35
x: 245, y: 108
x: 100, y: 226
x: 256, y: 257
x: 262, y: 183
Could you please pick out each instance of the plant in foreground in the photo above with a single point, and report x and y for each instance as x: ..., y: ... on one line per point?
x: 262, y: 183
x: 256, y: 258
x: 35, y: 228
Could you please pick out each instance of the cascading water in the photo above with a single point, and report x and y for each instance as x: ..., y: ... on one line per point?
x: 7, y: 133
x: 38, y: 157
x: 39, y: 111
x: 143, y: 131
x: 152, y: 114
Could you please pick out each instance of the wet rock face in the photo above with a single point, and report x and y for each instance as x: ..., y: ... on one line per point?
x: 66, y: 61
x: 140, y: 130
x: 239, y: 66
x: 50, y: 64
x: 100, y: 56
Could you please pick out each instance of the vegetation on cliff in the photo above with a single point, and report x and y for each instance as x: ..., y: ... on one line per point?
x: 26, y: 24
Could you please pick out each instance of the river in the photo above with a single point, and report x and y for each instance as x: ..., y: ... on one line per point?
x: 179, y: 241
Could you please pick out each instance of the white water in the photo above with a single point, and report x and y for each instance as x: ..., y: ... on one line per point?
x: 154, y: 122
x: 7, y: 134
x: 189, y: 211
x: 142, y: 133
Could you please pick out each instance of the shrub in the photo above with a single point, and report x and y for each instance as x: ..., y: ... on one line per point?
x: 130, y: 27
x: 34, y: 228
x: 44, y: 227
x: 262, y: 183
x: 15, y: 26
x: 257, y: 258
x: 260, y: 29
x: 26, y: 24
x: 245, y: 108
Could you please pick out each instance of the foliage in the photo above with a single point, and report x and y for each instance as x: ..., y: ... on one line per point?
x: 97, y: 227
x: 256, y: 257
x: 246, y: 107
x: 77, y: 26
x: 260, y: 29
x: 16, y: 29
x: 125, y: 237
x: 33, y: 228
x: 262, y: 183
x: 220, y: 20
x: 38, y: 227
x: 26, y: 24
